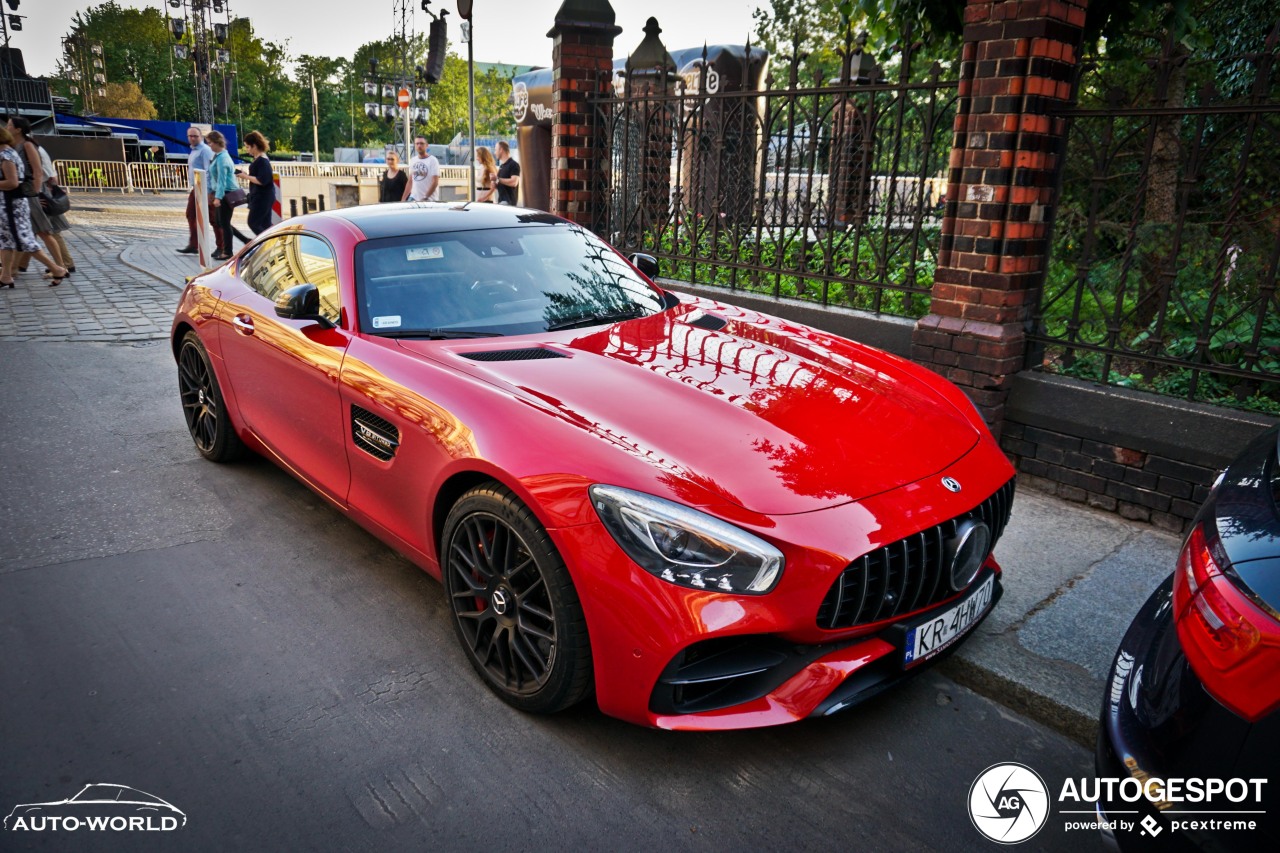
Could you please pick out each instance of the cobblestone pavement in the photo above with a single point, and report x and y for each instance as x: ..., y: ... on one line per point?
x: 127, y: 279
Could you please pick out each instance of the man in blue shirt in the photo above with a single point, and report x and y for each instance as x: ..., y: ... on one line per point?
x: 200, y: 157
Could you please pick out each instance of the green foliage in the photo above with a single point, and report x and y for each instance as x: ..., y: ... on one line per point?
x: 818, y: 32
x: 887, y: 273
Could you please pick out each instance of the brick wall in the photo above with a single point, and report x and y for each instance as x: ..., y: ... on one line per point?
x: 1138, y: 485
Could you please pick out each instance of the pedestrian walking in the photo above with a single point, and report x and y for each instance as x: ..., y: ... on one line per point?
x: 424, y: 174
x: 487, y: 189
x: 32, y: 182
x: 394, y: 180
x: 16, y: 233
x: 58, y: 221
x: 508, y: 175
x: 262, y: 185
x: 223, y: 193
x: 199, y: 158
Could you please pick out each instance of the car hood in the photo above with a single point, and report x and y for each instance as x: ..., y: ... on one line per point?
x: 772, y: 417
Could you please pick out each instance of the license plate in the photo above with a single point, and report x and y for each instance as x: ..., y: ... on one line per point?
x: 928, y: 638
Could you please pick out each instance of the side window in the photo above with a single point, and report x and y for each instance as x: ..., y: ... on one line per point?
x: 282, y: 262
x: 318, y: 267
x: 267, y: 269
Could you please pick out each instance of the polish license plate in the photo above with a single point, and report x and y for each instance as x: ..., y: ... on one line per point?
x: 930, y: 637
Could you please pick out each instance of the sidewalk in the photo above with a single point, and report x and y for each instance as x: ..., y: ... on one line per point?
x: 1073, y: 577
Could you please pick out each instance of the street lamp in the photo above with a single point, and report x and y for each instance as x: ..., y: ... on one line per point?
x: 468, y: 33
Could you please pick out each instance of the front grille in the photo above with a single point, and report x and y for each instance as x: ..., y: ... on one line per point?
x: 906, y: 575
x: 526, y: 354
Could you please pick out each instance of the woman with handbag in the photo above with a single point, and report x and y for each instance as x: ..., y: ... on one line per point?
x: 224, y: 194
x: 16, y: 234
x: 31, y: 183
x: 55, y: 202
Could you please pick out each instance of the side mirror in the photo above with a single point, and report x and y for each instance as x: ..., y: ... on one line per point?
x: 647, y: 264
x: 301, y: 302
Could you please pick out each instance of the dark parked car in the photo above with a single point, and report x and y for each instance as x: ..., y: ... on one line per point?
x: 1194, y: 690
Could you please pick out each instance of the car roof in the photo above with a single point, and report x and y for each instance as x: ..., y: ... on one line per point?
x: 400, y: 219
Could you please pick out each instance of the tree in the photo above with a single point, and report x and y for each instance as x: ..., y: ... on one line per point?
x: 264, y: 99
x: 135, y: 48
x: 125, y: 100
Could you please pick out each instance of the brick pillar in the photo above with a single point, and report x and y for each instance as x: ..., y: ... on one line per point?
x: 582, y: 69
x: 1017, y: 65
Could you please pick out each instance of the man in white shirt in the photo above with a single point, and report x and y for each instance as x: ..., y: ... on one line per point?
x: 200, y: 157
x: 424, y: 174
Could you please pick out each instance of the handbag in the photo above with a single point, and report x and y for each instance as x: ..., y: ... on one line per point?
x: 55, y: 199
x: 235, y: 197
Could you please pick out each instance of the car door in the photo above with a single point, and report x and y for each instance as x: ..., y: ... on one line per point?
x: 285, y: 372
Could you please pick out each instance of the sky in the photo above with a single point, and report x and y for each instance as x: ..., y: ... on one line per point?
x: 512, y: 31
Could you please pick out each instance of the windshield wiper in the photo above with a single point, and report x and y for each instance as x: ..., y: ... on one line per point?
x: 439, y: 334
x: 596, y: 319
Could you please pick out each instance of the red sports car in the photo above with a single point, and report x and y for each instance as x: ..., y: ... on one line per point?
x: 705, y: 516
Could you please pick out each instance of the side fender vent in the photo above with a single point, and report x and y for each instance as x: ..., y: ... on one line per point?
x: 710, y: 322
x: 526, y: 354
x: 374, y: 435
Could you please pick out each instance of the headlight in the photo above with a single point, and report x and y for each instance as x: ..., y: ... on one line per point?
x: 686, y: 547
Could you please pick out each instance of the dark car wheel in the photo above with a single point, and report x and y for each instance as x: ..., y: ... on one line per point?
x: 202, y: 405
x: 513, y: 603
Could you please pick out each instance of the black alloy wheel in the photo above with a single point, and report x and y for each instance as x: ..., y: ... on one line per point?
x: 207, y: 418
x: 514, y: 606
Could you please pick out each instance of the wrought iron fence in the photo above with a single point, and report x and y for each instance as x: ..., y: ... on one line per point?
x: 1167, y: 238
x: 831, y: 193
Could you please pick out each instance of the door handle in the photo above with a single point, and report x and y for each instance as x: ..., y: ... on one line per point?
x: 243, y: 324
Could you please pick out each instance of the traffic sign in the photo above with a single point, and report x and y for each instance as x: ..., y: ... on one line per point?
x: 403, y: 98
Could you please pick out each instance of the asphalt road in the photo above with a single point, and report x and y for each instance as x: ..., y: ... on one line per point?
x: 219, y: 637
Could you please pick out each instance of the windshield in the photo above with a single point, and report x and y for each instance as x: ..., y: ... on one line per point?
x: 501, y: 281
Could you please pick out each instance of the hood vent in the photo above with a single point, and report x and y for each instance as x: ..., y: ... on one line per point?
x: 526, y: 354
x: 710, y: 322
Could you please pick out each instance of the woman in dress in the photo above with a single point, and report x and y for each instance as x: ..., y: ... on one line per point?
x: 16, y: 234
x: 31, y: 169
x: 222, y: 180
x: 488, y: 187
x: 262, y: 187
x: 391, y: 184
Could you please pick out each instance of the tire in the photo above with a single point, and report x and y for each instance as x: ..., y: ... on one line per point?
x: 513, y: 603
x: 206, y: 414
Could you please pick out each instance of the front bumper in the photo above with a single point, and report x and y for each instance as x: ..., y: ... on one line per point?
x: 641, y: 628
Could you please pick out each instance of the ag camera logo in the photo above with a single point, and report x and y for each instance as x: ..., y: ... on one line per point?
x: 1008, y: 803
